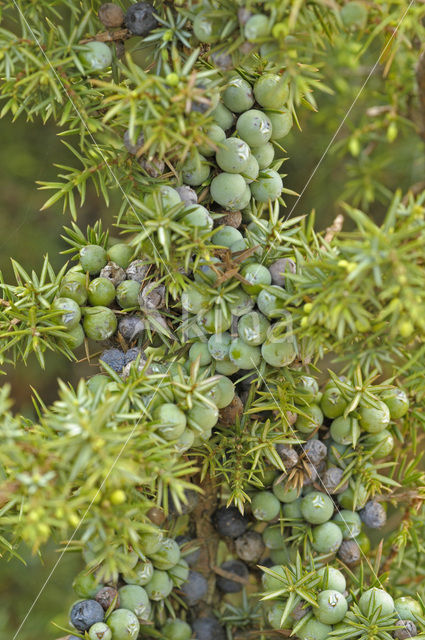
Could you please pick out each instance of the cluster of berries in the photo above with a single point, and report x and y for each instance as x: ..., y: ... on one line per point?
x: 117, y: 610
x: 103, y: 284
x: 248, y: 120
x: 253, y: 327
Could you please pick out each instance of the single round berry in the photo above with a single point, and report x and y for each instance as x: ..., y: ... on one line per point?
x: 113, y: 272
x: 274, y: 616
x: 226, y: 236
x: 195, y: 588
x: 187, y: 195
x: 268, y: 186
x: 253, y: 328
x: 374, y: 419
x: 345, y: 430
x: 73, y: 286
x: 100, y: 631
x: 95, y: 56
x: 279, y: 269
x: 86, y: 585
x: 317, y: 507
x: 257, y: 27
x: 127, y: 294
x: 227, y: 189
x: 275, y: 580
x: 120, y: 253
x: 311, y: 419
x: 195, y: 170
x: 273, y: 538
x: 278, y: 351
x: 228, y: 521
x: 70, y: 314
x: 271, y: 301
x: 238, y: 95
x: 408, y: 608
x: 93, y: 258
x: 314, y: 630
x: 382, y: 443
x: 332, y: 578
x: 233, y: 155
x: 111, y: 15
x: 265, y: 506
x: 217, y: 136
x: 86, y: 613
x: 257, y: 275
x: 135, y: 599
x: 332, y: 607
x: 167, y: 196
x: 140, y: 19
x: 206, y: 29
x: 397, y: 402
x: 223, y: 116
x: 131, y: 327
x: 285, y: 493
x: 215, y: 320
x: 224, y: 392
x: 333, y: 403
x: 264, y: 154
x: 254, y: 127
x: 202, y: 416
x: 199, y: 351
x: 176, y: 630
x: 405, y: 629
x: 160, y: 586
x: 353, y: 499
x: 376, y: 599
x: 123, y: 624
x: 114, y: 358
x: 244, y: 355
x: 315, y: 451
x: 281, y: 123
x: 349, y: 523
x: 99, y: 323
x: 251, y: 171
x: 227, y: 585
x: 167, y: 555
x: 208, y: 628
x: 349, y: 552
x: 288, y: 456
x: 332, y: 480
x: 75, y: 337
x: 373, y: 515
x: 219, y: 344
x: 197, y: 216
x: 271, y: 91
x: 101, y: 292
x: 250, y: 546
x: 171, y: 421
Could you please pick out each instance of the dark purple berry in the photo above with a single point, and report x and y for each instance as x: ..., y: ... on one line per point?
x: 114, y: 358
x: 139, y: 19
x: 184, y: 508
x: 228, y: 521
x: 131, y: 355
x: 278, y: 269
x: 373, y: 515
x: 237, y: 568
x: 195, y: 588
x: 85, y: 613
x: 208, y: 629
x: 133, y: 146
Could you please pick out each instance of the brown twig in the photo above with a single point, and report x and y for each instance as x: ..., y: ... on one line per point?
x: 335, y: 228
x: 109, y: 36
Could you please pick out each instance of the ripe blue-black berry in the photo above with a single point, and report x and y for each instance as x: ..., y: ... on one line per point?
x: 139, y: 19
x: 373, y: 514
x: 114, y: 358
x: 227, y: 585
x: 349, y: 552
x: 195, y: 588
x: 228, y: 521
x: 405, y: 629
x: 85, y: 613
x: 190, y: 556
x: 208, y: 629
x: 331, y: 480
x: 315, y: 451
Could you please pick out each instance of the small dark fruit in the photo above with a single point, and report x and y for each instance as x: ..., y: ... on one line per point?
x: 239, y: 569
x: 208, y: 628
x: 111, y: 15
x: 373, y: 515
x: 140, y: 19
x: 228, y: 521
x: 85, y: 613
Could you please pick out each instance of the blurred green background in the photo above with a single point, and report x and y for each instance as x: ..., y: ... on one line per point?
x: 27, y: 154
